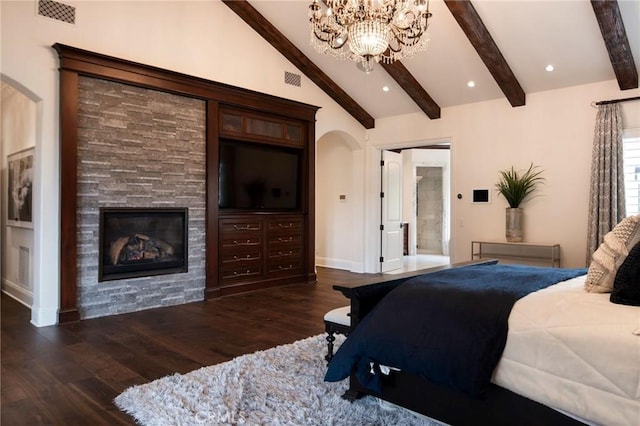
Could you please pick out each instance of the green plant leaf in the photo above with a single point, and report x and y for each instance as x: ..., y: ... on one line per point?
x: 516, y: 186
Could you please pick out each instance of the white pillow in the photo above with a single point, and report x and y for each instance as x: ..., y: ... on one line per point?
x: 612, y: 252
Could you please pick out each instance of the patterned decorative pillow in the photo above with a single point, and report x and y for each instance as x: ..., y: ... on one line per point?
x: 612, y: 252
x: 626, y: 286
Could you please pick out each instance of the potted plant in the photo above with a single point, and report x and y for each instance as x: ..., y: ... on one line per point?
x: 515, y: 187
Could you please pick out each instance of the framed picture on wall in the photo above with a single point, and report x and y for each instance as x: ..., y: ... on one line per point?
x: 20, y: 188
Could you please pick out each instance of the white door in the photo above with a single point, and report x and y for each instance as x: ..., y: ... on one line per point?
x: 391, y: 209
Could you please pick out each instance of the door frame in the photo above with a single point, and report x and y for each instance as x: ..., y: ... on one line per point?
x: 372, y: 234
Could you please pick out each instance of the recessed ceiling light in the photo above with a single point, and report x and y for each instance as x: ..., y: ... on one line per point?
x: 471, y: 83
x: 549, y: 68
x: 385, y: 88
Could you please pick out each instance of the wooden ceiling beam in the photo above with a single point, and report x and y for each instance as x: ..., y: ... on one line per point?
x: 294, y: 55
x: 410, y: 85
x: 615, y: 38
x: 469, y: 20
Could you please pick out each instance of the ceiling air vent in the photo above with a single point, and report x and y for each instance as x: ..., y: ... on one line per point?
x: 58, y: 11
x: 292, y: 79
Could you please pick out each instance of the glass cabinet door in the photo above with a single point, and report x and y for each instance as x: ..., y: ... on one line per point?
x: 231, y: 122
x: 261, y: 128
x: 257, y: 126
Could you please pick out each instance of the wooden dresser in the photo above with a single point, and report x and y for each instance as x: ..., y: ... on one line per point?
x: 260, y: 248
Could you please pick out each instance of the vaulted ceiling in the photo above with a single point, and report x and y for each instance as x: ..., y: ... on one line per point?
x: 503, y: 46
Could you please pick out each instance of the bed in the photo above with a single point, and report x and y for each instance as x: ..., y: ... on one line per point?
x: 570, y: 357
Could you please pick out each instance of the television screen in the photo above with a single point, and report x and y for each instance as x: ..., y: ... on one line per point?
x: 256, y: 176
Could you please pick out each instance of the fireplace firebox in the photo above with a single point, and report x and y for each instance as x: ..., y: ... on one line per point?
x: 137, y: 242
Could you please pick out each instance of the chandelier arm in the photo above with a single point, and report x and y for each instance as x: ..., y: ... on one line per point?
x: 411, y: 19
x: 394, y: 50
x: 408, y: 35
x: 328, y: 38
x: 345, y: 18
x: 319, y: 35
x: 410, y: 32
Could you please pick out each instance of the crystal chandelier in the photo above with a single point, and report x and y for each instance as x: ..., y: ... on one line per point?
x: 368, y: 31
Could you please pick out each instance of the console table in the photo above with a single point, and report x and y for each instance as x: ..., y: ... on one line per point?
x: 545, y: 254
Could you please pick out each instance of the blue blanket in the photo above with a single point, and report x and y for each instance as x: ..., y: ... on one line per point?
x: 449, y: 327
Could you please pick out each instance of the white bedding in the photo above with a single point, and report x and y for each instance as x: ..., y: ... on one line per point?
x: 576, y: 352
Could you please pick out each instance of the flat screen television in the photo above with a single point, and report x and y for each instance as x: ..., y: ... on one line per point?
x: 254, y: 176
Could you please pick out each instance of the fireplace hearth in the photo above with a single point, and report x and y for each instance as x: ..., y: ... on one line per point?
x: 137, y: 242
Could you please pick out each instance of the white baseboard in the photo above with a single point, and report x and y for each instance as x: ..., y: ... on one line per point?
x: 17, y: 292
x: 346, y: 265
x: 40, y: 317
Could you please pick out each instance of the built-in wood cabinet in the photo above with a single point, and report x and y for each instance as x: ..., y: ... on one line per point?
x: 261, y: 249
x: 285, y: 240
x: 237, y: 256
x: 264, y: 247
x: 241, y: 250
x: 261, y: 128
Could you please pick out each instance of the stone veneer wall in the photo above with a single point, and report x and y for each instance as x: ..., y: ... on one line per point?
x: 138, y: 148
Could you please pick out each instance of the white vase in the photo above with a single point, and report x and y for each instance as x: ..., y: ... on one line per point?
x: 514, y: 225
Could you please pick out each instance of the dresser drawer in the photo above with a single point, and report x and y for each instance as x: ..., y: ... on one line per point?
x: 241, y: 241
x: 230, y: 274
x: 280, y: 240
x: 231, y: 259
x: 285, y: 266
x: 240, y: 226
x: 284, y: 252
x: 285, y: 223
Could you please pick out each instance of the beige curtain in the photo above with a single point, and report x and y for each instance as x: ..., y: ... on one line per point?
x: 606, y: 200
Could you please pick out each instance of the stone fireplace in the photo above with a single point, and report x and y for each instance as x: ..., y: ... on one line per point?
x: 138, y: 242
x: 141, y: 161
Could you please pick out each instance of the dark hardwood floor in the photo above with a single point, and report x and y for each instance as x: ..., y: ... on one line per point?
x: 70, y: 374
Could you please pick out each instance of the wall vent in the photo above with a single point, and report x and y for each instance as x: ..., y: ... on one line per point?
x: 292, y: 79
x: 55, y: 10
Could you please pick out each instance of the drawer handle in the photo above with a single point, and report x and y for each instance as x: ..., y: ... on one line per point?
x: 244, y: 228
x: 285, y: 268
x: 247, y: 257
x: 288, y: 225
x: 241, y: 274
x: 240, y: 243
x: 284, y: 239
x: 289, y: 253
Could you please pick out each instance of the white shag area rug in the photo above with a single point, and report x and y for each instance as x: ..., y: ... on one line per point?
x: 280, y: 386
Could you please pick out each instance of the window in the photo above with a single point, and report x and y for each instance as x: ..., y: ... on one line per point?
x: 631, y: 146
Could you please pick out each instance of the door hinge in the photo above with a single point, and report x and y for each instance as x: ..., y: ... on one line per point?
x: 382, y: 227
x: 382, y: 195
x: 381, y: 163
x: 381, y: 259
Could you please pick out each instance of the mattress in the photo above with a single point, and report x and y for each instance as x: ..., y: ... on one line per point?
x: 576, y: 352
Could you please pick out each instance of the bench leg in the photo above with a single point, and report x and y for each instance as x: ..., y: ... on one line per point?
x: 330, y: 339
